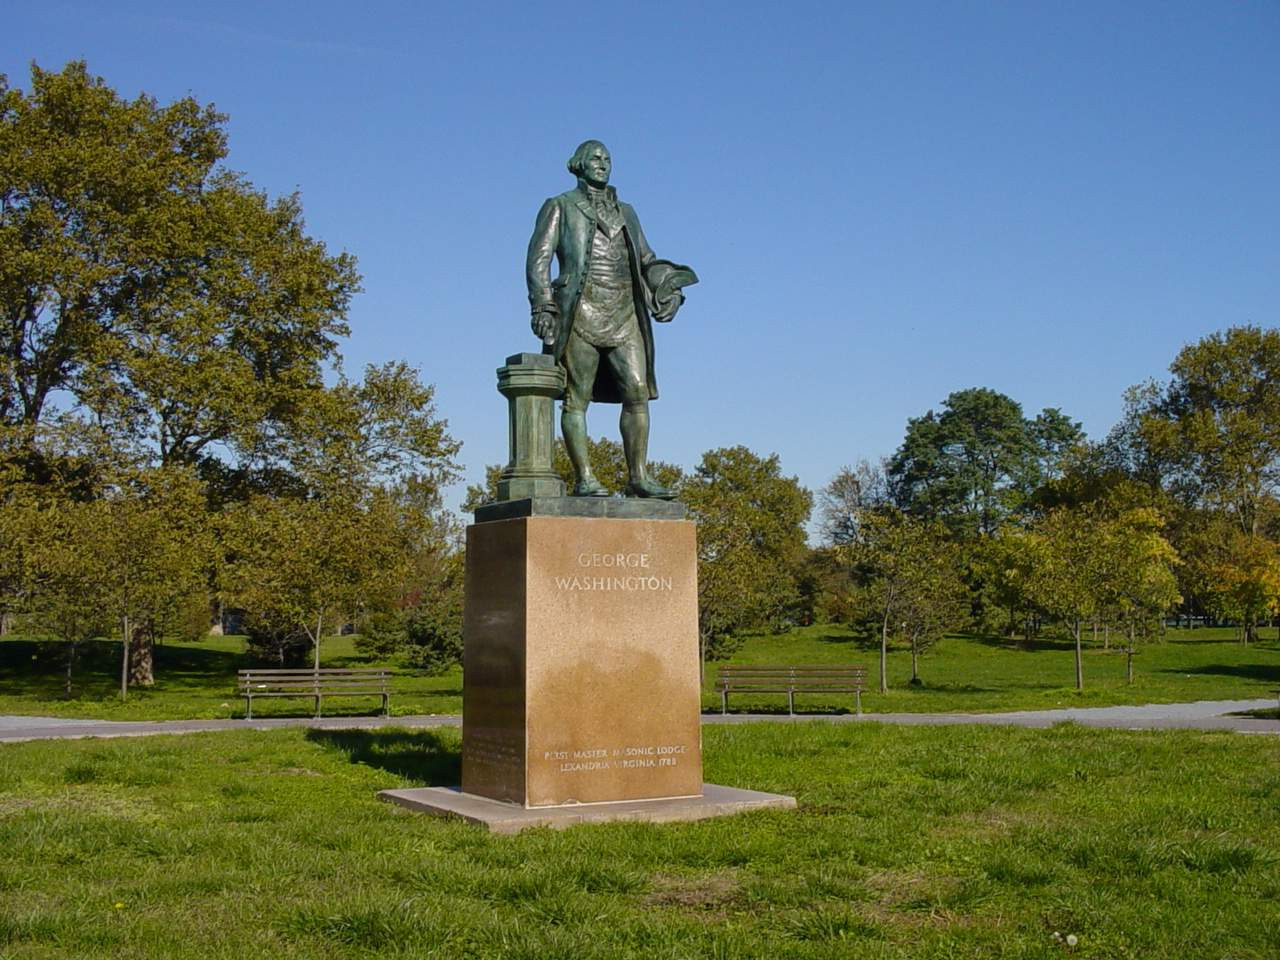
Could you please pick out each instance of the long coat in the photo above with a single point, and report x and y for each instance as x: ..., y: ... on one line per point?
x: 565, y: 228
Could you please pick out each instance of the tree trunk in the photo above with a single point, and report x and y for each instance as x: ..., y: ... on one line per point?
x: 915, y: 662
x: 124, y: 657
x: 5, y: 625
x: 71, y: 659
x: 141, y: 655
x: 319, y: 628
x: 884, y: 651
x: 1128, y: 660
x: 1249, y: 629
x: 1079, y: 657
x: 1106, y: 637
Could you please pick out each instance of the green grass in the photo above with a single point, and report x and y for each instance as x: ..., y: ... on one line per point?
x: 968, y: 674
x: 979, y: 674
x: 194, y: 680
x: 948, y: 842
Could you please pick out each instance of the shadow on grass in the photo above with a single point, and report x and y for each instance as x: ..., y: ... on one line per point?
x: 861, y: 641
x: 37, y: 668
x: 1264, y: 673
x: 428, y: 758
x: 1035, y: 645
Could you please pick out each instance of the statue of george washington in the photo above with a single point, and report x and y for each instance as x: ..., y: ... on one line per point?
x: 595, y: 316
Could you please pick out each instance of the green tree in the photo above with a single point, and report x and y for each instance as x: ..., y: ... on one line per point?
x: 751, y: 543
x: 977, y: 462
x: 911, y: 583
x: 161, y: 549
x: 69, y: 596
x: 368, y: 460
x: 1067, y: 574
x: 20, y: 532
x: 1235, y: 576
x: 608, y: 463
x: 1217, y: 422
x: 1138, y: 572
x: 157, y: 292
x: 304, y: 567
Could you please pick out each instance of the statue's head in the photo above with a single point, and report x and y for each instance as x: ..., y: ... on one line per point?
x: 591, y: 162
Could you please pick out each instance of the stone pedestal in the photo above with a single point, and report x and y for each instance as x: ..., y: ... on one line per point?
x: 531, y: 382
x: 581, y: 660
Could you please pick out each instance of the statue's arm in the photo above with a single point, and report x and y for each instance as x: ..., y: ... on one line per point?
x: 542, y: 247
x: 643, y: 251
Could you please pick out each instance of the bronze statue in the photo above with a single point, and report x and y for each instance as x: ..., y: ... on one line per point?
x: 594, y: 317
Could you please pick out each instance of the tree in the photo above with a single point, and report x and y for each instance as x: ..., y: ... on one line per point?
x: 1217, y: 422
x: 1066, y: 571
x: 608, y: 463
x: 161, y: 549
x: 977, y: 462
x: 1008, y: 561
x: 1137, y: 574
x: 158, y: 293
x: 357, y: 436
x: 21, y: 535
x: 845, y: 502
x: 304, y: 566
x: 70, y: 598
x: 1234, y: 575
x: 910, y: 581
x: 751, y: 542
x: 367, y: 460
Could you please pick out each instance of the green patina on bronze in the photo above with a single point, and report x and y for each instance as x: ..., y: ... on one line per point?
x: 595, y: 318
x: 531, y: 382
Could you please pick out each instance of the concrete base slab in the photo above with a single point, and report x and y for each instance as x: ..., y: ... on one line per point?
x: 499, y: 817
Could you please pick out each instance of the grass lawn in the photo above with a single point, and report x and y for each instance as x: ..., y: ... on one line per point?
x: 197, y: 679
x: 909, y: 842
x: 979, y: 674
x: 194, y: 680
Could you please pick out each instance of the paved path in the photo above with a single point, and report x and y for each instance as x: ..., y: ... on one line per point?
x: 1201, y: 715
x: 55, y: 728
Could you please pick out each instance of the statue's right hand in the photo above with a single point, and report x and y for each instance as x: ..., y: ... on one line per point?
x: 544, y: 325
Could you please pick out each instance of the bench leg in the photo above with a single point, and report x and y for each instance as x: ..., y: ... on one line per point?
x: 248, y: 706
x: 724, y: 702
x: 791, y: 702
x: 317, y: 706
x: 857, y: 698
x: 386, y: 705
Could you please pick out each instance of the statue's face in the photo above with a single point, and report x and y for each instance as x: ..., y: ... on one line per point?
x: 597, y: 166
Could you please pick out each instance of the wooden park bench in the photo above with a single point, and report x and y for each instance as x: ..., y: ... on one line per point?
x: 329, y: 682
x: 744, y: 678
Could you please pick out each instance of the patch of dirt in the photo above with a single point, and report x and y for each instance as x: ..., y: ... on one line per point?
x: 904, y: 899
x: 708, y: 894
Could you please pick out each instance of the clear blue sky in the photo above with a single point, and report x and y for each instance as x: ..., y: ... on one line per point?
x: 885, y: 201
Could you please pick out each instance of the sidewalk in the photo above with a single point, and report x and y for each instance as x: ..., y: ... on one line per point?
x: 1201, y: 715
x: 15, y: 729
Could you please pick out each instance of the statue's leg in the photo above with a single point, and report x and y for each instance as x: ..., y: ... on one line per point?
x: 628, y: 365
x: 580, y: 361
